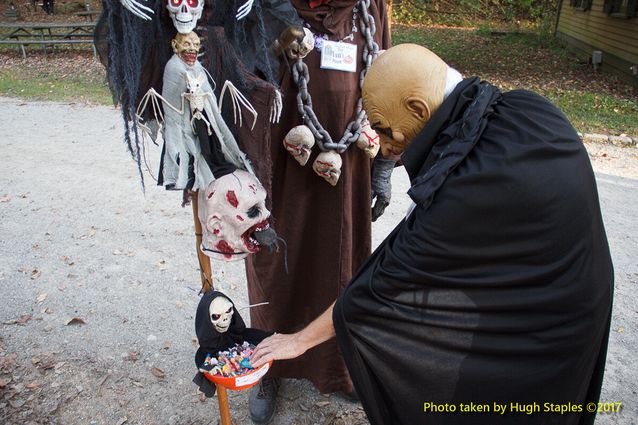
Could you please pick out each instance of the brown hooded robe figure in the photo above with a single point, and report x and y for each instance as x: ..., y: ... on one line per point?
x: 327, y: 228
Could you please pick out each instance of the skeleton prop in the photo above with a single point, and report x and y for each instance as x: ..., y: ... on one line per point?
x: 186, y: 83
x: 328, y: 166
x: 218, y: 326
x: 299, y: 142
x: 234, y: 217
x: 185, y: 14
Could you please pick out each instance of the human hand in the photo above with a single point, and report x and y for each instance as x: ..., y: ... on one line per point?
x: 277, y: 347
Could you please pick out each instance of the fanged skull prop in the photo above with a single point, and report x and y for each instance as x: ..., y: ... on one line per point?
x: 234, y: 216
x: 299, y: 142
x: 221, y: 313
x: 186, y: 47
x: 300, y: 47
x: 328, y: 166
x: 368, y: 140
x: 185, y: 14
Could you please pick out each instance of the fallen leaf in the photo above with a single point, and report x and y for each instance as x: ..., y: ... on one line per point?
x: 46, y: 310
x: 24, y: 195
x: 75, y: 321
x: 41, y: 297
x: 137, y: 384
x: 67, y: 260
x: 122, y: 421
x: 35, y: 274
x: 33, y: 385
x: 132, y: 356
x: 166, y: 345
x: 303, y: 407
x: 159, y: 373
x: 22, y: 320
x: 179, y: 305
x: 8, y: 361
x: 620, y: 330
x: 5, y: 198
x: 194, y: 341
x: 322, y: 403
x: 61, y: 287
x: 117, y: 252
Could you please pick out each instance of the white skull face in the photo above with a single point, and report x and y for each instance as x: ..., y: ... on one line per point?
x: 299, y: 142
x: 221, y: 313
x: 185, y: 14
x: 328, y: 166
x: 368, y: 140
x: 231, y: 209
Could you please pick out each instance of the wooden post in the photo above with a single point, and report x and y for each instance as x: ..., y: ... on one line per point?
x: 224, y: 410
x: 205, y: 270
x: 206, y: 276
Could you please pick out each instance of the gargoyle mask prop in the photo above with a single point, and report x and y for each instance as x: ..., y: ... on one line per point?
x: 186, y: 46
x: 234, y: 217
x: 402, y: 89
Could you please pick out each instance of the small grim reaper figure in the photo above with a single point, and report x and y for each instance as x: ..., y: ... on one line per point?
x: 218, y: 326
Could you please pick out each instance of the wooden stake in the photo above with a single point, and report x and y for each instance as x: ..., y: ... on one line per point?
x: 206, y: 276
x: 204, y: 261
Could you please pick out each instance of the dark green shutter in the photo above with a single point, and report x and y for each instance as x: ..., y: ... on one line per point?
x: 631, y: 7
x: 609, y: 6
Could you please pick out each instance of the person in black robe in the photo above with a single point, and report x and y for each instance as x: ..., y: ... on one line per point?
x: 496, y: 290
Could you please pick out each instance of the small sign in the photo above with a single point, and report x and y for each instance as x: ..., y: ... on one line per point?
x: 251, y: 378
x: 339, y: 56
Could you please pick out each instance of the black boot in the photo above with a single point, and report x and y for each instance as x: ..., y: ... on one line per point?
x: 262, y: 400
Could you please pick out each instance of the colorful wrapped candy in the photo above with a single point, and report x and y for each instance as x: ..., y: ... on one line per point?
x: 234, y: 361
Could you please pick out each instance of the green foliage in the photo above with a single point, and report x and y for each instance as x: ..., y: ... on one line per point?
x: 511, y: 60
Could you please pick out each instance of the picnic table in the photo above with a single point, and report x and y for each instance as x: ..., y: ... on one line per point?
x: 47, y: 34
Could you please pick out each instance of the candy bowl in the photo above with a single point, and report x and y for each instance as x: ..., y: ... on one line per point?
x: 231, y: 368
x: 240, y: 382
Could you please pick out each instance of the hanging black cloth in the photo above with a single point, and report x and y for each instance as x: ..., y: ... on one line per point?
x: 497, y: 288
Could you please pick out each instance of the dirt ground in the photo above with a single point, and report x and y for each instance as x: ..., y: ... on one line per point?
x: 99, y: 282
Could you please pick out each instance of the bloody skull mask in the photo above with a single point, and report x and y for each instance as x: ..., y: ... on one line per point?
x: 299, y: 142
x: 232, y: 211
x: 328, y: 166
x: 185, y: 14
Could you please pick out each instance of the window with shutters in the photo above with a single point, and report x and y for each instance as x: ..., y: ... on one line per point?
x: 620, y: 8
x: 581, y: 4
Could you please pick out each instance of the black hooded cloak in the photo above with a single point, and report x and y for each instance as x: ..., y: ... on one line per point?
x: 497, y: 288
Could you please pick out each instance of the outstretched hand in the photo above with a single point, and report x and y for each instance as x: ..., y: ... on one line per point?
x: 277, y: 347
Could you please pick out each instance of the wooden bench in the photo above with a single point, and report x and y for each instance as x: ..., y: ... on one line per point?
x: 45, y: 43
x: 47, y: 34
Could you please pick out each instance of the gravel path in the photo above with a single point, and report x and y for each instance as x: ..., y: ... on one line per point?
x: 99, y: 281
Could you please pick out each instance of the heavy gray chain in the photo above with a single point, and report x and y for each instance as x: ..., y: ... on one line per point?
x: 301, y: 77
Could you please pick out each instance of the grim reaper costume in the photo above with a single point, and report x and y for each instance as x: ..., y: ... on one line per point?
x: 327, y: 228
x: 498, y: 286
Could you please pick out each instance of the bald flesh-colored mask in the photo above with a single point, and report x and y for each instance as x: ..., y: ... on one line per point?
x: 402, y: 89
x: 186, y: 47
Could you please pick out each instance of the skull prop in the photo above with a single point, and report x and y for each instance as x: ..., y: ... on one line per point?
x: 328, y: 166
x: 368, y: 140
x: 186, y: 47
x: 234, y: 217
x: 185, y: 14
x: 221, y: 313
x: 299, y: 142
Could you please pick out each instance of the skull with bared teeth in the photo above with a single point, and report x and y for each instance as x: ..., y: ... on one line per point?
x: 185, y: 14
x: 221, y: 313
x: 234, y: 217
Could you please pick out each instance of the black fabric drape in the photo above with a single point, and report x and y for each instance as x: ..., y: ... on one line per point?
x: 497, y: 288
